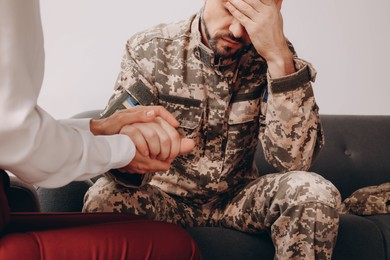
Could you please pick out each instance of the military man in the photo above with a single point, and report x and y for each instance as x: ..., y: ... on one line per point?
x: 231, y: 78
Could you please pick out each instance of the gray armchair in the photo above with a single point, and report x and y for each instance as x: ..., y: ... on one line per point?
x: 356, y: 154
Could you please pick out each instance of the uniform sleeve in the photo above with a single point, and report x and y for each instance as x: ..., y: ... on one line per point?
x: 291, y: 132
x: 135, y: 79
x: 34, y: 146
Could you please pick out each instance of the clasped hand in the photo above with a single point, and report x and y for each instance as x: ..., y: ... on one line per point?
x: 153, y: 131
x: 158, y: 143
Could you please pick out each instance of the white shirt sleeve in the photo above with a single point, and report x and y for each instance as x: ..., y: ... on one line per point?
x: 33, y: 145
x: 81, y: 123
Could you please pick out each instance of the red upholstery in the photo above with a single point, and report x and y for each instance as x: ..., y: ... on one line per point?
x: 133, y: 239
x: 88, y: 236
x: 23, y: 222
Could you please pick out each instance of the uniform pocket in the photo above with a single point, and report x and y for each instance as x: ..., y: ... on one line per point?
x: 244, y: 111
x: 187, y: 111
x: 243, y: 129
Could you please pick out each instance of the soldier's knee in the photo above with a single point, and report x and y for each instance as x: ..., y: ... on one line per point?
x: 108, y: 196
x: 96, y: 199
x: 303, y: 187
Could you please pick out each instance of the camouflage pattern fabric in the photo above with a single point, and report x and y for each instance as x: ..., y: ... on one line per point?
x: 296, y: 208
x: 226, y: 106
x: 372, y: 200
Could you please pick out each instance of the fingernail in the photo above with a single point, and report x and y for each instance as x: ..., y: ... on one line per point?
x: 150, y: 113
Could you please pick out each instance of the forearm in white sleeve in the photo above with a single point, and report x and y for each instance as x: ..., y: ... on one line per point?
x: 34, y: 146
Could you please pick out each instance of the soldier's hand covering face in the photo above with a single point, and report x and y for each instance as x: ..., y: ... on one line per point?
x: 264, y: 24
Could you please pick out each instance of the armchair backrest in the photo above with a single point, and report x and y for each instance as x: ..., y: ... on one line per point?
x: 356, y: 152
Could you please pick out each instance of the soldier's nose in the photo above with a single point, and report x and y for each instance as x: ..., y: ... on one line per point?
x: 237, y: 29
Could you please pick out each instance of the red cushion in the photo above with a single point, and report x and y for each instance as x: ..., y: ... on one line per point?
x: 132, y: 239
x: 37, y: 221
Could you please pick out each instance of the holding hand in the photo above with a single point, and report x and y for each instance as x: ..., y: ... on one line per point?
x: 152, y: 130
x: 158, y: 144
x: 114, y: 123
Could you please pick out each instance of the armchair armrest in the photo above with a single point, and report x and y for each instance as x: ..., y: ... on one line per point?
x: 22, y: 197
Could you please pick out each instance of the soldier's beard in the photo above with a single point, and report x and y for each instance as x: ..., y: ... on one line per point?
x: 222, y: 50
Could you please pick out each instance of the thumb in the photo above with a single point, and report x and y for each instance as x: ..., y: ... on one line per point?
x: 186, y: 145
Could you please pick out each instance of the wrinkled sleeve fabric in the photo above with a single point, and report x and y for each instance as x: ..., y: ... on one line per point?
x: 34, y: 146
x: 137, y: 68
x: 291, y: 132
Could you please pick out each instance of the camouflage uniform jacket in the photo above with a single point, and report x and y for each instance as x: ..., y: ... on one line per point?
x: 224, y: 105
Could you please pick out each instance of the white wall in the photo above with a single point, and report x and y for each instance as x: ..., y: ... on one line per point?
x: 347, y: 42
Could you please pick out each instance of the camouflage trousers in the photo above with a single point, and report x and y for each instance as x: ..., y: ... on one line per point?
x: 298, y: 209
